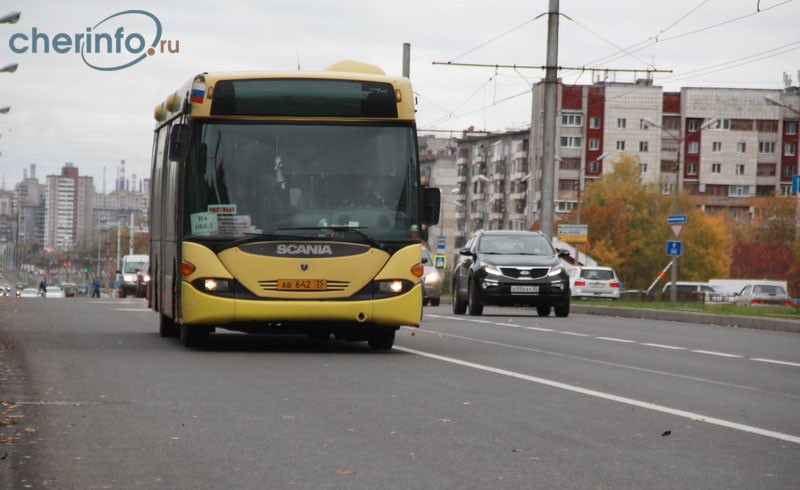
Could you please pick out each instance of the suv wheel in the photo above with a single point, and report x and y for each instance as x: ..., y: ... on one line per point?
x: 475, y: 307
x: 459, y: 305
x: 543, y: 310
x: 562, y: 310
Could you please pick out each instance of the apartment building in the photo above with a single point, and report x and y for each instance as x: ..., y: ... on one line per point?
x: 728, y: 165
x: 68, y: 209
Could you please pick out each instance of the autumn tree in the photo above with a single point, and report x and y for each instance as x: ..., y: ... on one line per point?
x: 628, y: 229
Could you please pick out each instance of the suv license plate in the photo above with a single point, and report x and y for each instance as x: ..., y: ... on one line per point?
x: 524, y: 289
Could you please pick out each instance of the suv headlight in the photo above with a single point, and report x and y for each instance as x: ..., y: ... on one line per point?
x: 555, y: 271
x: 491, y: 269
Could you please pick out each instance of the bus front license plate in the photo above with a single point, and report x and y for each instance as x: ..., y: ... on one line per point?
x: 302, y: 284
x: 524, y: 289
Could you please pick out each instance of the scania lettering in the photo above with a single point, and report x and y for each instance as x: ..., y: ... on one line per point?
x: 288, y: 202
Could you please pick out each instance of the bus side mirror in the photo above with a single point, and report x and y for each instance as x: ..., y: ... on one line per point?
x: 179, y: 143
x: 431, y: 204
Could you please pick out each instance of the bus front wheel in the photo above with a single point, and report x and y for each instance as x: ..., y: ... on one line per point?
x: 193, y: 336
x: 381, y: 338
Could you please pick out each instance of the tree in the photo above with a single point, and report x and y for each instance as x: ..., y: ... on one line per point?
x: 628, y: 229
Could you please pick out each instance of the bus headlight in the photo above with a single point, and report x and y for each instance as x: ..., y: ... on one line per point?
x: 391, y: 287
x: 213, y: 285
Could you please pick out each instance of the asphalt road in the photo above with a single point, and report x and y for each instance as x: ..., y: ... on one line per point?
x: 92, y: 397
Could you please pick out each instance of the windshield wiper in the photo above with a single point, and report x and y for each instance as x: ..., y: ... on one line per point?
x: 356, y: 229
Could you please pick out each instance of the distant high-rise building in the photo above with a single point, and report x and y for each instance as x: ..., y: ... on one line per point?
x: 68, y: 209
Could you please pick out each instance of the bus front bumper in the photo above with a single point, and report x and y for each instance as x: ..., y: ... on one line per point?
x: 204, y: 309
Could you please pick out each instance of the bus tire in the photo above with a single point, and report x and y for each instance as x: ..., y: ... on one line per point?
x: 193, y: 336
x: 167, y: 327
x: 381, y: 338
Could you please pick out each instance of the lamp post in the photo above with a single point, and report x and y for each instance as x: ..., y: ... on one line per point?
x: 676, y: 192
x: 773, y: 101
x: 10, y: 18
x: 10, y: 68
x: 4, y: 110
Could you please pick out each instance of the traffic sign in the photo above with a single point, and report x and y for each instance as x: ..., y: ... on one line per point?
x: 441, y: 242
x: 676, y: 218
x: 796, y: 184
x: 440, y: 261
x: 674, y: 248
x: 573, y: 233
x: 676, y: 230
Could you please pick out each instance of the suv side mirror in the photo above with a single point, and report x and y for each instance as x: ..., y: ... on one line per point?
x: 562, y: 253
x: 466, y: 251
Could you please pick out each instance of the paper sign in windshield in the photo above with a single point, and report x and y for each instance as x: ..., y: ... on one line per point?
x: 204, y: 224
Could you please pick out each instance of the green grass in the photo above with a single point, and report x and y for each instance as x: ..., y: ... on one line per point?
x: 781, y: 312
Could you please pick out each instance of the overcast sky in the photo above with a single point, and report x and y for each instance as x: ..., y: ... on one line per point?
x: 63, y: 110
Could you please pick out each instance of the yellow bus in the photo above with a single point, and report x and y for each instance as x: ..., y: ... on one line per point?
x: 288, y: 202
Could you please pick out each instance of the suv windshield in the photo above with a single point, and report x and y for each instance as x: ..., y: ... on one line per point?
x: 515, y: 245
x: 293, y: 179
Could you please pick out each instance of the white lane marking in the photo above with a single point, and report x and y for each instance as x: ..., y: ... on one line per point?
x: 574, y: 334
x: 507, y: 325
x: 481, y: 321
x: 613, y: 339
x: 662, y: 346
x: 586, y: 359
x: 130, y: 309
x: 785, y: 363
x: 713, y: 353
x: 539, y: 329
x: 607, y: 396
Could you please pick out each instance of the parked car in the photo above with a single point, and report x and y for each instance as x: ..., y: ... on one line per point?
x: 70, y: 289
x: 30, y: 293
x: 431, y: 280
x: 763, y: 295
x: 692, y: 291
x: 594, y: 282
x: 53, y: 292
x: 510, y: 268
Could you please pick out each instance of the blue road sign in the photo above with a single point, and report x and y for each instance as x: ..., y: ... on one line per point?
x: 796, y: 184
x: 676, y: 218
x: 441, y: 242
x: 674, y: 248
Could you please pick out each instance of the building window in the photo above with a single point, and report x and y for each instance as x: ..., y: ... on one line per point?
x: 716, y: 147
x: 790, y: 149
x: 643, y: 146
x: 788, y: 171
x: 620, y: 146
x: 594, y: 167
x: 667, y: 188
x: 740, y: 190
x: 594, y: 123
x: 740, y: 169
x: 594, y: 144
x: 790, y: 127
x: 721, y: 125
x: 567, y: 185
x: 716, y: 168
x: 694, y: 147
x: 691, y: 169
x: 570, y: 142
x: 572, y: 120
x: 741, y: 147
x: 621, y: 123
x: 766, y: 147
x: 643, y: 168
x: 691, y: 125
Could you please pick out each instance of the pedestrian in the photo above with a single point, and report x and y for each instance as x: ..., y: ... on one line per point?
x: 42, y: 286
x: 96, y: 288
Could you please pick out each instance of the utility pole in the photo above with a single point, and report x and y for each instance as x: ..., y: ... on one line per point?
x: 407, y: 60
x: 549, y: 130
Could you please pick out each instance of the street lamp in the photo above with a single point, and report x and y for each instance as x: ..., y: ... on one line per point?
x: 9, y: 68
x: 10, y: 18
x: 4, y: 110
x: 673, y: 291
x: 773, y: 101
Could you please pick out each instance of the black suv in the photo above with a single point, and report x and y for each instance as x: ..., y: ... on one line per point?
x: 510, y: 268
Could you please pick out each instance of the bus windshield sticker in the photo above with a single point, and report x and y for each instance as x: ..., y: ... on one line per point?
x: 222, y: 208
x: 204, y: 224
x: 234, y: 225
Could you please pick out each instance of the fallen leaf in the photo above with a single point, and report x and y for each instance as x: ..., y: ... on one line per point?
x: 666, y: 433
x: 344, y: 472
x: 443, y: 420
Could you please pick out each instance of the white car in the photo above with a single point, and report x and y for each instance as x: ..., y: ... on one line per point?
x: 53, y: 292
x: 594, y: 282
x: 29, y: 293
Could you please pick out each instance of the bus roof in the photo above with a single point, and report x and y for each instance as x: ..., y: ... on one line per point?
x: 195, y: 96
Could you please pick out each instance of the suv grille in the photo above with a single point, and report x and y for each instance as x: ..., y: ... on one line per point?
x: 525, y: 273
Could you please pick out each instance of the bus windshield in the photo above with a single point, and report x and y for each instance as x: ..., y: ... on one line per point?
x: 257, y: 178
